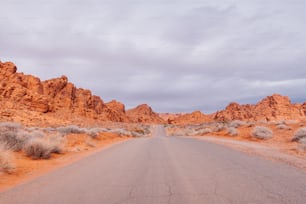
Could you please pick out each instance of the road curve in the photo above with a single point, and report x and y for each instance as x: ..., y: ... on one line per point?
x: 165, y: 170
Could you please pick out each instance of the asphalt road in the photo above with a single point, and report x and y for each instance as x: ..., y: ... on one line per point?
x: 165, y: 170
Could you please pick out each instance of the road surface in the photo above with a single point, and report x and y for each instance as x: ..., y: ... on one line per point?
x: 165, y: 170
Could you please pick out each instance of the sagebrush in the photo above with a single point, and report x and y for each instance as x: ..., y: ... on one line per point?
x: 299, y: 134
x: 6, y: 164
x: 262, y: 132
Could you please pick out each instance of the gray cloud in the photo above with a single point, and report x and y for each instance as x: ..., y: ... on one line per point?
x: 175, y: 55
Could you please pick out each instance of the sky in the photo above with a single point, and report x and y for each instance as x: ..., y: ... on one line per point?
x: 175, y: 55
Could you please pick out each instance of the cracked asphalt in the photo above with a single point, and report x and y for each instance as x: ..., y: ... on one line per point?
x: 165, y: 170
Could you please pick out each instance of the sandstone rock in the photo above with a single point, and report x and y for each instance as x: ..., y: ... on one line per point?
x: 28, y: 93
x: 275, y: 107
x: 196, y: 117
x: 144, y: 114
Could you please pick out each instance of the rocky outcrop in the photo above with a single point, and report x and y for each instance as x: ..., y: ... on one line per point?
x: 144, y: 114
x: 19, y: 91
x: 196, y: 117
x: 275, y: 107
x: 26, y: 92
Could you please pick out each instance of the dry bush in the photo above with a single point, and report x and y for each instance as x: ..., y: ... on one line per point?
x: 41, y: 148
x: 250, y: 124
x: 261, y: 132
x: 299, y: 134
x: 302, y: 145
x: 10, y: 126
x: 12, y: 140
x: 56, y: 143
x: 237, y: 123
x: 72, y: 129
x: 232, y: 131
x: 204, y: 131
x: 218, y: 127
x: 6, y: 164
x: 283, y: 127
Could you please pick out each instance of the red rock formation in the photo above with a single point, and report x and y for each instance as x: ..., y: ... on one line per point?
x: 196, y: 117
x: 144, y: 114
x: 275, y: 107
x: 26, y: 92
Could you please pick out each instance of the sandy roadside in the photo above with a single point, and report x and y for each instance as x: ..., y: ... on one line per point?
x: 28, y: 169
x: 269, y: 151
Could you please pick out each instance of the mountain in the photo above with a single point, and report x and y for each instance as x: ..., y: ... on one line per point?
x: 275, y: 107
x: 196, y: 117
x: 26, y: 95
x: 144, y: 114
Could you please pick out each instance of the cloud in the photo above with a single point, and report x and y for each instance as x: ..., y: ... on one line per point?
x: 175, y: 55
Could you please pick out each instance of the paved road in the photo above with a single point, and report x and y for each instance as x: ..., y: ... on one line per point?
x: 165, y: 170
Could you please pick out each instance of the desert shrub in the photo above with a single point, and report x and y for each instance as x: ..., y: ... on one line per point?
x: 71, y: 129
x: 236, y: 123
x: 94, y: 132
x: 12, y: 140
x: 50, y: 129
x: 302, y: 145
x: 232, y: 131
x: 136, y: 134
x: 219, y: 127
x: 299, y: 134
x: 291, y: 122
x: 10, y: 126
x: 204, y: 131
x: 250, y: 124
x: 38, y: 133
x: 6, y: 164
x: 283, y: 127
x: 56, y: 143
x: 280, y: 122
x: 40, y: 148
x: 32, y: 129
x: 261, y: 132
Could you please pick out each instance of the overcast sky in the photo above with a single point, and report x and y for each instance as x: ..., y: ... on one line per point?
x: 176, y: 55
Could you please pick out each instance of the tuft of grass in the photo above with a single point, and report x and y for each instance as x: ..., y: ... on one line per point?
x: 40, y: 148
x: 283, y: 127
x: 237, y: 123
x: 261, y: 132
x: 218, y: 127
x: 10, y: 126
x: 12, y: 140
x: 302, y: 145
x: 232, y: 131
x: 204, y: 131
x: 299, y: 134
x: 72, y: 129
x: 6, y: 164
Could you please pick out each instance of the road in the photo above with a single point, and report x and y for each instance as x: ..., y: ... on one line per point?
x: 165, y: 170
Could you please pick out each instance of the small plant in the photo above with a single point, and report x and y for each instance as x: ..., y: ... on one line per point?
x: 6, y: 164
x: 12, y: 140
x: 261, y: 132
x: 204, y: 131
x: 232, y: 131
x: 302, y: 145
x: 11, y: 126
x: 40, y: 148
x: 237, y: 123
x: 283, y: 127
x: 299, y: 134
x: 219, y: 127
x: 72, y: 129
